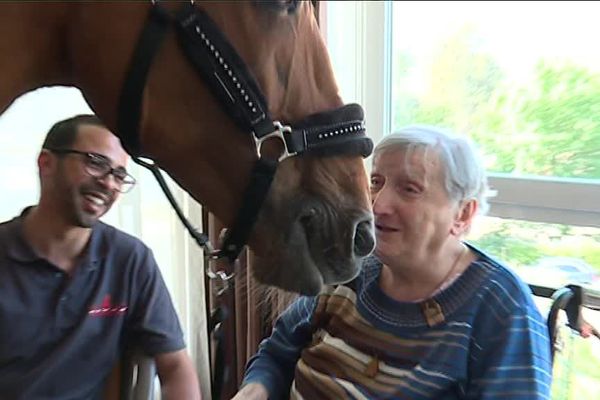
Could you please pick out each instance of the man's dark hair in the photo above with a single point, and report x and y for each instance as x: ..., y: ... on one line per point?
x: 63, y: 134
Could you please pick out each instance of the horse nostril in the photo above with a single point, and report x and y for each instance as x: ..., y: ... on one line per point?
x: 364, y: 241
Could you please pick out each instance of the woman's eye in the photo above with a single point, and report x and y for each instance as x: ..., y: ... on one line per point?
x: 411, y: 189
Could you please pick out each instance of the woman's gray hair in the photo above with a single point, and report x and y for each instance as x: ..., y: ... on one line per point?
x: 464, y: 173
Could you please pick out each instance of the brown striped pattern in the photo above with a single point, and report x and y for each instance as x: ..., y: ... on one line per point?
x: 329, y: 361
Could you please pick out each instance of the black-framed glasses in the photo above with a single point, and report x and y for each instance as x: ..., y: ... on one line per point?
x: 99, y: 166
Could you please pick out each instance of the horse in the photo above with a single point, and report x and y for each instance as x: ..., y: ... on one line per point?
x: 315, y: 225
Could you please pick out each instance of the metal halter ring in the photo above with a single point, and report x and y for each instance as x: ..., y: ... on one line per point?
x: 279, y: 133
x: 221, y: 279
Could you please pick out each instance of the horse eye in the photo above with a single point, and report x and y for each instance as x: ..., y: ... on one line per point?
x: 291, y: 5
x: 280, y: 6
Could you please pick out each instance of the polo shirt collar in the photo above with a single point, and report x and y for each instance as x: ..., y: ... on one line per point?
x: 19, y: 249
x: 97, y: 247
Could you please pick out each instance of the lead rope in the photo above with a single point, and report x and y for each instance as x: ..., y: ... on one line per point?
x: 223, y: 281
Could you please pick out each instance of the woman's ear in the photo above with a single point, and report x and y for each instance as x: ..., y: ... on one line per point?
x: 464, y: 216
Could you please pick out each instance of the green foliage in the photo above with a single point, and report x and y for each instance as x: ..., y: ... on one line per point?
x: 513, y: 251
x: 549, y: 126
x: 564, y: 110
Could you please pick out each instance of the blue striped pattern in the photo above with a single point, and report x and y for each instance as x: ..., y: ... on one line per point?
x: 354, y: 342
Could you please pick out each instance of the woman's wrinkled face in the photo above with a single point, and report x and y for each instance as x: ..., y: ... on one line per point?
x: 413, y: 213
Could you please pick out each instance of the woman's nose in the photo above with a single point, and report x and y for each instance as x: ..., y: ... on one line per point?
x: 380, y: 201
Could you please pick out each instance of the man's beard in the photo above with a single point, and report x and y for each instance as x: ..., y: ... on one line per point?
x: 84, y: 220
x: 75, y: 208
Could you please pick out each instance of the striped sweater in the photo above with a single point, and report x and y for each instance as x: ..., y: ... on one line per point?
x: 481, y: 338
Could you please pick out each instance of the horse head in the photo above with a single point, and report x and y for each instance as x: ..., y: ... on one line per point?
x: 315, y: 225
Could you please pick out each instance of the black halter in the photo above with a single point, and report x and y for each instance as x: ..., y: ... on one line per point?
x: 337, y: 132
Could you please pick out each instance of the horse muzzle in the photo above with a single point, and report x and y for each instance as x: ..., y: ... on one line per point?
x: 337, y: 239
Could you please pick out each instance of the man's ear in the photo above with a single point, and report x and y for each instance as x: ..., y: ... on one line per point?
x: 464, y: 216
x: 46, y: 162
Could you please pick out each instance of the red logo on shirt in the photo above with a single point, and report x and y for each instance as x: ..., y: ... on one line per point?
x: 107, y: 309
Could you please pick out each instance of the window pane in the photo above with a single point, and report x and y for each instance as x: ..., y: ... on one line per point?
x: 575, y: 370
x: 504, y: 73
x: 544, y: 254
x: 23, y: 127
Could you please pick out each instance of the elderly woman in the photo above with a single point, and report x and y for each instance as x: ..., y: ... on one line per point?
x: 429, y: 316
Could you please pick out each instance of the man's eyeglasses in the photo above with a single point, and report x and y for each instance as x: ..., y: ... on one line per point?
x: 99, y: 166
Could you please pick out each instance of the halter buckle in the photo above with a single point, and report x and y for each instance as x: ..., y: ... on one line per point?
x: 279, y: 132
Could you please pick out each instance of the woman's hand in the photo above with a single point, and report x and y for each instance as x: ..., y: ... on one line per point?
x: 252, y: 391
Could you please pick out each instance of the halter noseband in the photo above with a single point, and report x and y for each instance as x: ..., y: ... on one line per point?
x: 337, y: 132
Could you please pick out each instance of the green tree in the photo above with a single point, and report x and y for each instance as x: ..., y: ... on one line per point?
x: 462, y: 78
x: 563, y: 109
x: 549, y: 126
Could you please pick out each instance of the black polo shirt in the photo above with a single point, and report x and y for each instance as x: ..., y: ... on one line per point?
x: 61, y: 336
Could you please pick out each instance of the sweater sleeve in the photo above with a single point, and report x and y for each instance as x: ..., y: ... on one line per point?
x: 512, y: 357
x: 275, y: 362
